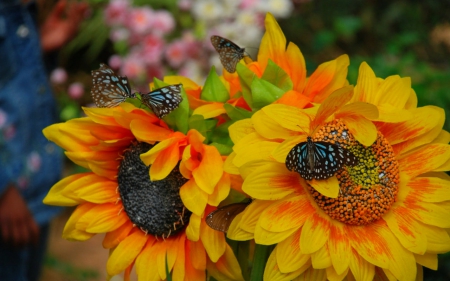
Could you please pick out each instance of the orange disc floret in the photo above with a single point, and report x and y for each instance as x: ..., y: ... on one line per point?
x: 367, y: 190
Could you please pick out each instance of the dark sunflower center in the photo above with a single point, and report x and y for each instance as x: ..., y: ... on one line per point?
x: 154, y: 206
x: 367, y: 190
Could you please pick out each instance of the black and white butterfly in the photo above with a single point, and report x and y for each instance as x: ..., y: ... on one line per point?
x: 319, y: 160
x: 163, y: 100
x: 109, y: 89
x: 221, y: 218
x: 230, y: 54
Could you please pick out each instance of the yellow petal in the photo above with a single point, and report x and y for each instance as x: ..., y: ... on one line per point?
x: 289, y: 256
x: 221, y: 191
x: 261, y: 150
x: 430, y: 189
x: 271, y: 182
x: 237, y: 233
x: 193, y: 228
x: 94, y: 189
x: 329, y: 187
x: 213, y: 241
x: 252, y: 214
x: 312, y: 274
x: 228, y: 166
x: 226, y: 268
x: 164, y: 163
x: 280, y: 153
x: 362, y: 129
x: 366, y: 85
x: 427, y: 260
x: 390, y: 114
x: 394, y: 91
x: 272, y: 272
x: 361, y: 269
x: 113, y: 238
x: 146, y: 270
x: 286, y: 214
x: 186, y: 82
x: 315, y: 233
x: 404, y: 226
x: 339, y: 247
x: 321, y: 259
x: 149, y: 157
x: 71, y: 232
x: 334, y: 102
x: 288, y: 117
x: 273, y: 43
x: 103, y: 218
x: 297, y: 67
x: 268, y: 128
x: 432, y: 214
x: 265, y: 237
x: 125, y: 253
x: 426, y: 159
x: 148, y: 132
x: 193, y: 197
x: 67, y: 139
x: 367, y: 110
x: 240, y: 129
x: 179, y: 269
x: 438, y: 240
x: 210, y: 170
x: 333, y: 276
x: 56, y: 194
x: 210, y: 110
x: 197, y: 255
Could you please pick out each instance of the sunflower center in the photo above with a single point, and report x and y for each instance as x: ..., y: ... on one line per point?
x: 154, y: 206
x: 367, y: 190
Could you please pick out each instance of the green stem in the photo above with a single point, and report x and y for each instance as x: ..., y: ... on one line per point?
x: 261, y: 255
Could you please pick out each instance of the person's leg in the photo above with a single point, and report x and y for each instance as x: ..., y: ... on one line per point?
x: 37, y: 254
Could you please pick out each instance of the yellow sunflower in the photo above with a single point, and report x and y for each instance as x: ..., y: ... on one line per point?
x: 383, y: 218
x: 153, y: 216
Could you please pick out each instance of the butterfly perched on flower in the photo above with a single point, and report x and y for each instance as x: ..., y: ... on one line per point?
x: 109, y: 89
x: 230, y: 54
x: 319, y: 160
x: 163, y: 100
x: 221, y: 218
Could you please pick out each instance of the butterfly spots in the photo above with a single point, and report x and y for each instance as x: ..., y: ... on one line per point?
x: 229, y: 53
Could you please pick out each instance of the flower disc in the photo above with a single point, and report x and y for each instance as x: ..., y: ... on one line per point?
x: 154, y: 206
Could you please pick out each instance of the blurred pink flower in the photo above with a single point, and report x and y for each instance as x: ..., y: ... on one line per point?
x: 119, y: 34
x: 9, y: 132
x: 34, y: 161
x: 133, y: 67
x: 76, y: 90
x: 152, y: 49
x: 58, y: 76
x: 185, y: 4
x: 248, y: 4
x: 140, y: 20
x: 193, y: 46
x: 116, y: 12
x: 155, y: 70
x: 115, y: 61
x: 163, y: 22
x: 176, y: 53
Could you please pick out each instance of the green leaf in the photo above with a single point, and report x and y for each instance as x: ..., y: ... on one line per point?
x: 214, y: 89
x: 246, y: 77
x: 264, y: 93
x: 237, y: 113
x: 260, y: 258
x: 178, y: 118
x: 222, y: 148
x: 169, y: 278
x: 203, y: 126
x: 277, y: 76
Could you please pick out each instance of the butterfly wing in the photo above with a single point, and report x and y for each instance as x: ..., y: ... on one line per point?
x: 327, y: 159
x: 221, y: 218
x: 109, y: 89
x: 229, y: 53
x: 164, y: 100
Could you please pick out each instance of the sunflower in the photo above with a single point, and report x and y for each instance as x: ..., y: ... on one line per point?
x: 152, y: 210
x: 384, y: 218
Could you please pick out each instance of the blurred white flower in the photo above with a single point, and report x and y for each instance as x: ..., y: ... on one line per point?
x: 278, y: 8
x: 207, y: 10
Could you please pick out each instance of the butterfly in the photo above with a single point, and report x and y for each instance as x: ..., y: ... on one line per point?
x: 221, y: 218
x: 319, y: 160
x: 163, y: 100
x: 230, y: 54
x: 109, y: 89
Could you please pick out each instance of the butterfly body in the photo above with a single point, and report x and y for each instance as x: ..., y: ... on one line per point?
x: 230, y: 53
x: 319, y: 160
x: 221, y: 218
x: 164, y: 100
x: 109, y: 89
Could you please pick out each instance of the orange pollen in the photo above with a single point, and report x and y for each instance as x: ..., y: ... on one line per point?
x: 367, y: 190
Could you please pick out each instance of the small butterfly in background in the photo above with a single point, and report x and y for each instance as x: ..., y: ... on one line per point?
x: 109, y: 89
x: 230, y: 54
x: 221, y: 218
x: 164, y: 100
x: 319, y: 160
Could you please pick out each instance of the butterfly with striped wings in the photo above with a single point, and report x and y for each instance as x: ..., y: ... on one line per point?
x: 164, y: 100
x: 109, y: 89
x: 319, y: 160
x: 230, y: 53
x: 221, y: 218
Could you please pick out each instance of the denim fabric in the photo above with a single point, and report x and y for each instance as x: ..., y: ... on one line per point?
x: 27, y: 159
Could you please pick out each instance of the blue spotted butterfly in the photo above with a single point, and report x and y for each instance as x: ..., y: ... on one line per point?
x: 230, y: 54
x: 163, y: 100
x: 319, y: 160
x: 109, y: 89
